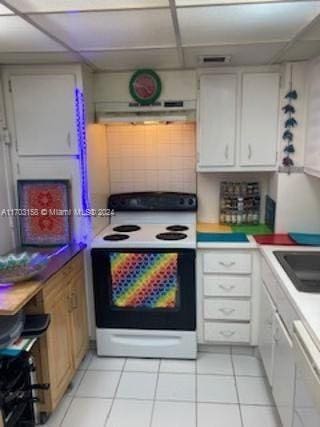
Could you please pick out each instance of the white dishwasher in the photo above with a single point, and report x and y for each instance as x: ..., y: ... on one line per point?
x: 307, y: 389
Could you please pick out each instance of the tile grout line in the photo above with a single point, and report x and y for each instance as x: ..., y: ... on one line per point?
x: 237, y: 391
x: 74, y: 395
x: 155, y: 394
x: 115, y: 393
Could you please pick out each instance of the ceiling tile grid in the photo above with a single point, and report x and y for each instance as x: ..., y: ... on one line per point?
x: 42, y: 6
x: 128, y: 34
x: 111, y: 30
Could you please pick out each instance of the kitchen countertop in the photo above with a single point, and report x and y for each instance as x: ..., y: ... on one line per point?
x: 307, y: 305
x: 13, y: 297
x: 250, y: 244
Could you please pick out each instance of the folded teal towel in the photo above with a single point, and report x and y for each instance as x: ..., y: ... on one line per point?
x: 306, y: 239
x: 222, y: 237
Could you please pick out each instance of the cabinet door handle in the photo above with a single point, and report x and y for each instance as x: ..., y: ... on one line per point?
x: 227, y: 334
x: 249, y: 151
x: 227, y: 311
x: 69, y: 139
x: 227, y: 264
x: 227, y: 288
x: 226, y: 152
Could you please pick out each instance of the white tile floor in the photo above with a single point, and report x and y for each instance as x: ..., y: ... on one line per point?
x: 217, y: 390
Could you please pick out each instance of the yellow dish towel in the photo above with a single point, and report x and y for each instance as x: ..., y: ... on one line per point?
x: 207, y: 227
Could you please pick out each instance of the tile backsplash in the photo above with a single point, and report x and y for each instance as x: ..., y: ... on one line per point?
x: 158, y: 157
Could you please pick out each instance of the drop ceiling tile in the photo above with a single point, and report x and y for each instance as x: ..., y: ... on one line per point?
x: 105, y: 30
x: 131, y: 60
x: 244, y: 23
x: 72, y: 5
x: 214, y: 2
x: 302, y: 50
x: 37, y: 58
x: 255, y: 54
x: 16, y: 35
x: 313, y: 33
x: 4, y: 10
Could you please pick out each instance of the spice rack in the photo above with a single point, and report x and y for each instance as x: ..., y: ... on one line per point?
x: 239, y: 203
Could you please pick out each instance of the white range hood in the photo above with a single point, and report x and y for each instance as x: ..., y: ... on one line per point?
x: 160, y: 112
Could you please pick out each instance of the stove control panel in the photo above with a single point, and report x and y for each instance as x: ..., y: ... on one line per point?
x: 153, y: 201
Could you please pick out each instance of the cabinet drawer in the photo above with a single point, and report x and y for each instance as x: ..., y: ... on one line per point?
x: 227, y: 262
x: 226, y: 309
x: 227, y: 332
x: 225, y: 286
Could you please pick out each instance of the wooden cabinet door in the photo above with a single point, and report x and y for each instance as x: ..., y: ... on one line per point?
x: 283, y: 378
x: 217, y: 132
x: 59, y: 344
x: 265, y: 340
x: 79, y: 319
x: 259, y: 119
x: 45, y: 114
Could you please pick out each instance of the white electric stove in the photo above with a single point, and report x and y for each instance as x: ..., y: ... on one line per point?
x: 144, y: 276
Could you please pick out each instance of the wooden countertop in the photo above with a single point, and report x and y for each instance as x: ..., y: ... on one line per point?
x: 13, y: 297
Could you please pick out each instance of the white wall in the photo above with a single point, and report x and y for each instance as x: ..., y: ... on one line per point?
x: 209, y: 192
x: 114, y: 87
x: 98, y: 168
x: 298, y: 203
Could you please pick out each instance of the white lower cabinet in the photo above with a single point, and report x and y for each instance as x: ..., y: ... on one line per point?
x: 283, y: 377
x: 275, y: 344
x: 225, y: 281
x: 265, y: 340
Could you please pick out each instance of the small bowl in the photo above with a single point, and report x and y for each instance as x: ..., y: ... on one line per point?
x: 20, y: 267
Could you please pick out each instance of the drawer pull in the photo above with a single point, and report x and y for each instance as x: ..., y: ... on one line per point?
x: 227, y: 334
x: 227, y: 264
x: 226, y: 288
x: 226, y: 311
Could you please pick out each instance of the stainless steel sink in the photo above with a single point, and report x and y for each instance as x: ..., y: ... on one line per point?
x: 303, y: 268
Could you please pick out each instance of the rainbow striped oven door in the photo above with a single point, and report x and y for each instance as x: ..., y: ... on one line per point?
x: 144, y: 288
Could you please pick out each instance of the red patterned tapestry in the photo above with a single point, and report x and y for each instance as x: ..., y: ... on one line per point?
x: 44, y: 216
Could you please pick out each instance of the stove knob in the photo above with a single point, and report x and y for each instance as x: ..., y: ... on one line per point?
x: 191, y: 202
x: 181, y: 202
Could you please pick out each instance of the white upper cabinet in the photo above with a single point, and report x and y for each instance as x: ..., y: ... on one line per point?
x: 217, y: 131
x: 259, y: 119
x: 238, y: 121
x: 44, y: 114
x: 312, y: 151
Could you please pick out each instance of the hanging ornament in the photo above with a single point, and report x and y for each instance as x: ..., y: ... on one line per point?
x: 287, y: 135
x: 288, y: 109
x: 289, y: 149
x: 287, y: 162
x: 291, y: 122
x: 292, y: 94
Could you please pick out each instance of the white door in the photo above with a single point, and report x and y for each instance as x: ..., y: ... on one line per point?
x: 6, y: 240
x: 312, y: 151
x: 6, y: 237
x: 283, y: 378
x: 217, y: 133
x: 265, y: 341
x: 259, y: 119
x: 45, y: 114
